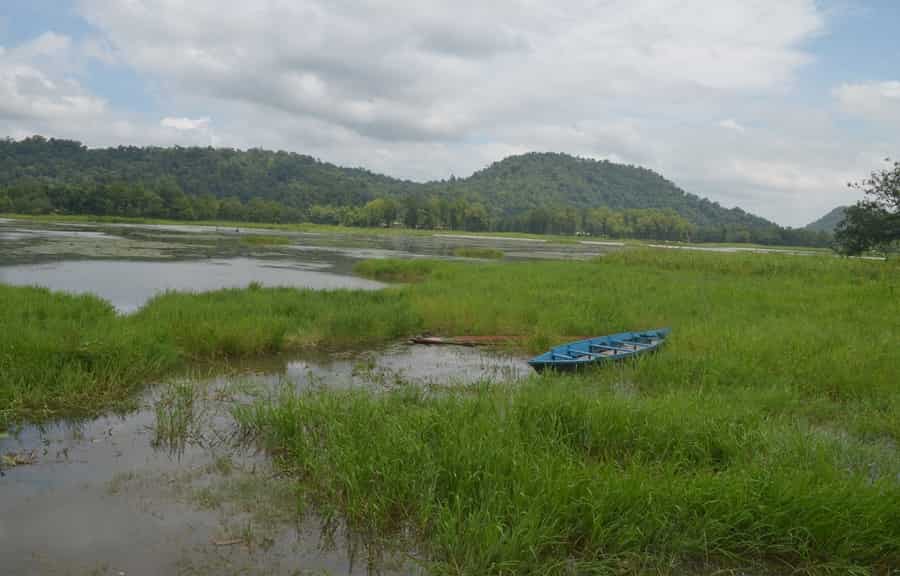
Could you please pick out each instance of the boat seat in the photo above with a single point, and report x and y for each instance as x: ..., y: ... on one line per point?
x: 631, y: 343
x: 615, y: 348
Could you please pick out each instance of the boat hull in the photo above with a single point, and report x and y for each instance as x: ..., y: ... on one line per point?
x: 599, y: 351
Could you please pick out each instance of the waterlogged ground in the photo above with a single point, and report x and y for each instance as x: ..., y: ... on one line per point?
x: 127, y: 264
x: 173, y: 489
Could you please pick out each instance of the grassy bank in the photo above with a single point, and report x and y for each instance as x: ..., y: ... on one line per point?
x: 764, y: 436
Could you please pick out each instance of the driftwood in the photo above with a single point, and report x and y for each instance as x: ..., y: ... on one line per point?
x: 462, y: 340
x: 230, y: 542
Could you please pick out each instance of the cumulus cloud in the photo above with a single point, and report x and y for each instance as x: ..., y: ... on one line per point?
x: 185, y: 123
x: 34, y: 92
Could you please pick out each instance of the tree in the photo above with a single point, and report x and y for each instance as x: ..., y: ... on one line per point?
x: 152, y: 204
x: 476, y: 217
x: 380, y: 212
x: 873, y: 222
x: 205, y: 207
x: 232, y: 209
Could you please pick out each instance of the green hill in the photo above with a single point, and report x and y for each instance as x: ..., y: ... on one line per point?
x: 547, y: 179
x: 828, y: 222
x: 293, y: 179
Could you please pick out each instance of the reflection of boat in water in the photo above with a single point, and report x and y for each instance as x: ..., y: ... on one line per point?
x: 597, y: 351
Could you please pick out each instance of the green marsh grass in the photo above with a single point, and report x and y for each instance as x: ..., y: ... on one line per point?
x: 63, y: 355
x: 476, y: 252
x: 563, y: 474
x: 763, y: 437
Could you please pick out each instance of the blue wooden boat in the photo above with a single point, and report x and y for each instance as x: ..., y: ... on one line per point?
x: 600, y: 350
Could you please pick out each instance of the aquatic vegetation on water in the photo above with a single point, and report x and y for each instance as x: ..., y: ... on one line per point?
x: 261, y: 240
x: 475, y: 252
x: 396, y: 270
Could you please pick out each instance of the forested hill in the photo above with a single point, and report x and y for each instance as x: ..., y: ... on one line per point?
x: 828, y: 222
x: 536, y: 180
x: 536, y: 192
x: 292, y: 179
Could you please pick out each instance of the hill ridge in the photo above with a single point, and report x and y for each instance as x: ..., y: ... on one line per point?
x: 829, y: 221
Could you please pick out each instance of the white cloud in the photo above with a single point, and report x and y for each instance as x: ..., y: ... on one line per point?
x: 731, y: 124
x: 185, y: 123
x: 791, y: 177
x: 48, y: 44
x: 875, y: 100
x: 35, y: 89
x: 42, y: 92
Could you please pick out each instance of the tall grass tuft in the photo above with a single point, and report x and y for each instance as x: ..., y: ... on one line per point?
x: 175, y: 415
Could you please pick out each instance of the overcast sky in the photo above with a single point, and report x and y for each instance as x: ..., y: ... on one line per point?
x: 771, y: 105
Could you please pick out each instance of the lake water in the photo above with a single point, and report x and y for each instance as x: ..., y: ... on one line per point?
x: 108, y: 497
x: 129, y: 283
x: 127, y: 264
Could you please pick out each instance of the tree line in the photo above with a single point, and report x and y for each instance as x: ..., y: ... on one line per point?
x: 164, y: 198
